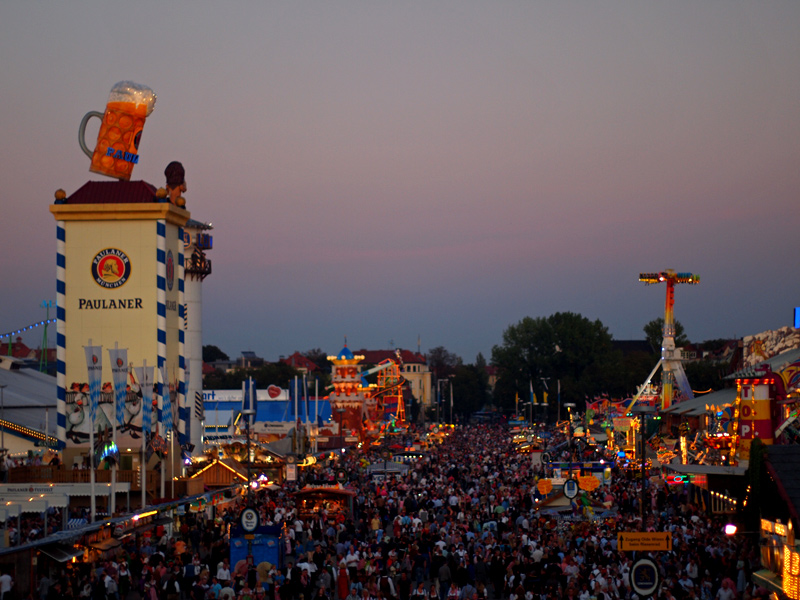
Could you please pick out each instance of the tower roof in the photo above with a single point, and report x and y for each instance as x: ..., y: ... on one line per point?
x: 345, y: 354
x: 113, y: 192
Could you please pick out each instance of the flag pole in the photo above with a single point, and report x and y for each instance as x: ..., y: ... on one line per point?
x: 92, y: 411
x: 296, y: 419
x: 172, y: 463
x: 142, y: 384
x: 244, y: 414
x: 147, y: 407
x: 113, y: 503
x: 162, y: 430
x: 452, y: 421
x: 93, y: 501
x: 172, y: 446
x: 252, y: 407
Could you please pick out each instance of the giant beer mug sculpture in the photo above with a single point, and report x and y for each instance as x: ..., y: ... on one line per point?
x: 117, y: 149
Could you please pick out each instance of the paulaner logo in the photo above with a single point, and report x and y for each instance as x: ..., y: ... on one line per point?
x: 111, y: 268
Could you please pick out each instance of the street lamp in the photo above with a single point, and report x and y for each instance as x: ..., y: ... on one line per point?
x: 3, y: 418
x: 642, y: 411
x: 439, y: 398
x: 450, y: 385
x: 569, y: 406
x: 544, y: 396
x: 249, y: 409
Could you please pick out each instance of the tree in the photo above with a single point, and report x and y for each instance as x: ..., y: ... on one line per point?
x: 704, y: 375
x: 279, y: 374
x: 483, y: 377
x: 212, y: 353
x: 636, y: 366
x: 470, y: 392
x: 654, y: 332
x: 441, y: 362
x: 566, y: 347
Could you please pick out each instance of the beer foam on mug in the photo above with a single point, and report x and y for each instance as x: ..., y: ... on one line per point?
x: 128, y: 91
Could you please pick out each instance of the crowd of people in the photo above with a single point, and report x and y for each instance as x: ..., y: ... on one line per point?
x: 466, y: 522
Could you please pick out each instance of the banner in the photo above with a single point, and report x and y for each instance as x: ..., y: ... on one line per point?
x: 94, y: 365
x: 166, y: 403
x: 199, y: 406
x: 249, y: 400
x: 145, y: 376
x: 119, y: 373
x: 294, y: 390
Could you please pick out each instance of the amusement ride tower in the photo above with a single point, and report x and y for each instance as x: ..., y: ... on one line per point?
x: 348, y: 402
x: 671, y: 357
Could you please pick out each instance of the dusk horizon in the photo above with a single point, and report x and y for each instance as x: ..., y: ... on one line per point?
x: 384, y: 173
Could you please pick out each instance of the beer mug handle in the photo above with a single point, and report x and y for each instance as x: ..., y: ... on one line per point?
x: 82, y: 131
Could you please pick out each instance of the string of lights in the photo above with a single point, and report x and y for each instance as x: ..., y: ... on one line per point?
x: 9, y: 426
x: 27, y: 328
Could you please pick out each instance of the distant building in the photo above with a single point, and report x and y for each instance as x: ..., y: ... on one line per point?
x: 248, y: 360
x: 30, y: 357
x: 301, y: 363
x: 29, y: 409
x: 492, y: 373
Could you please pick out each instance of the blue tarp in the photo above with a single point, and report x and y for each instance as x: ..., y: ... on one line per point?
x: 269, y: 410
x: 283, y: 410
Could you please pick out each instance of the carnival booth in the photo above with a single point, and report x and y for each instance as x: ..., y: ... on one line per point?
x: 335, y: 499
x: 254, y: 543
x: 382, y: 470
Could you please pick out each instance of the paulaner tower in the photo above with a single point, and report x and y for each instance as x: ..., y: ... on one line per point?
x: 120, y: 281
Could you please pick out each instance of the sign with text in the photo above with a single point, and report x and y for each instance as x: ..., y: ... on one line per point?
x: 249, y: 520
x: 622, y: 423
x: 645, y: 541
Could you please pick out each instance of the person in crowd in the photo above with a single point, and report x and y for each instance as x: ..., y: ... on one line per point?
x: 464, y: 523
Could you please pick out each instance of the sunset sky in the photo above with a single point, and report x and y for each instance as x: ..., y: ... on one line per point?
x: 389, y: 170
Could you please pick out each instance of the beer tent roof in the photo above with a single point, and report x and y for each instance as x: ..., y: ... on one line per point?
x: 29, y: 400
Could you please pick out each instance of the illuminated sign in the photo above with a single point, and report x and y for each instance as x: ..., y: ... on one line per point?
x: 570, y: 488
x: 677, y: 479
x: 588, y: 482
x: 682, y: 478
x: 647, y: 541
x: 791, y: 573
